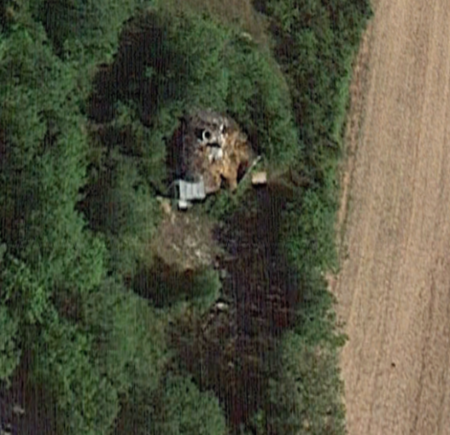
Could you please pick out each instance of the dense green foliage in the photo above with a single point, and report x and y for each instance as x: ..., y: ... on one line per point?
x: 54, y: 268
x: 170, y: 288
x: 305, y: 396
x: 90, y: 96
x: 194, y: 62
x: 84, y: 29
x: 8, y: 353
x: 314, y: 43
x: 176, y: 408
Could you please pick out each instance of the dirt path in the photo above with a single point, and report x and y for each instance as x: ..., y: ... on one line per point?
x: 394, y: 287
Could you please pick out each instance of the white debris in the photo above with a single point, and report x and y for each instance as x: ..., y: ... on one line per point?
x: 215, y: 154
x: 259, y: 178
x: 183, y: 205
x: 221, y: 306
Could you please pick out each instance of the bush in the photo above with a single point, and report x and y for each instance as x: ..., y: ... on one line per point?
x: 305, y: 397
x: 87, y: 402
x: 84, y: 30
x: 43, y: 164
x: 179, y: 408
x: 87, y: 366
x: 128, y: 336
x: 9, y: 355
x: 119, y: 205
x: 315, y: 42
x: 166, y: 287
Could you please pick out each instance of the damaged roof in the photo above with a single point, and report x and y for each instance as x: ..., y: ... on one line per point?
x: 213, y: 150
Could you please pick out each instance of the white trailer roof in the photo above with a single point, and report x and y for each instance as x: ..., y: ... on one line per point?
x: 189, y: 191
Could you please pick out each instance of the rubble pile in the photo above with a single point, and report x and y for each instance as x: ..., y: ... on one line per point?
x: 215, y: 150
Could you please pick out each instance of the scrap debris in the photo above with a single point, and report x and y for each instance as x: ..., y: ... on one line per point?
x: 259, y: 178
x: 213, y: 152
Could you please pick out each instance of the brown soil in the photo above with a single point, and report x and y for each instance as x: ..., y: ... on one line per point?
x: 184, y: 240
x: 394, y: 286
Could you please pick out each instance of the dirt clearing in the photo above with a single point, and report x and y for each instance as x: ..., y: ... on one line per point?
x: 394, y: 286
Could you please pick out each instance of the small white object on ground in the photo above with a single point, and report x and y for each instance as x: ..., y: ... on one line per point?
x: 259, y: 178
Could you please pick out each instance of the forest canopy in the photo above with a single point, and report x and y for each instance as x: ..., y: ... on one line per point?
x: 97, y: 333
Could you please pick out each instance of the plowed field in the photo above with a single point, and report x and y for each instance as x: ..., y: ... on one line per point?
x: 394, y: 286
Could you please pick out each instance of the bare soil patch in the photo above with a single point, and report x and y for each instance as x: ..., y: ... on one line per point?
x: 394, y: 286
x: 185, y: 240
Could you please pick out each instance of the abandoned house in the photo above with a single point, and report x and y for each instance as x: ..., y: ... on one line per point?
x: 211, y: 151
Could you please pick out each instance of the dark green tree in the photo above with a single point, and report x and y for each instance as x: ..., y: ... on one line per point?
x: 9, y: 355
x: 87, y: 401
x: 177, y: 408
x: 84, y: 30
x: 43, y: 165
x: 166, y: 287
x: 305, y: 398
x: 120, y: 206
x: 89, y: 366
x: 128, y: 336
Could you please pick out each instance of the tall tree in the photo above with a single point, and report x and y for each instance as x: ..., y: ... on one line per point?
x: 300, y: 406
x: 178, y: 408
x: 85, y: 30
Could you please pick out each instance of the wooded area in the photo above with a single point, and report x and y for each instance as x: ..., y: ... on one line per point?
x: 98, y: 335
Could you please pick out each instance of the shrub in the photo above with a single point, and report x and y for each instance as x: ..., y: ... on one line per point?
x: 178, y: 408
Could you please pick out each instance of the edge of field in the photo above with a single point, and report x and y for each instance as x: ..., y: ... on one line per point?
x: 352, y: 138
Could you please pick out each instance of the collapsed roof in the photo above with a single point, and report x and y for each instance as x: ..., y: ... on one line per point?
x: 213, y: 150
